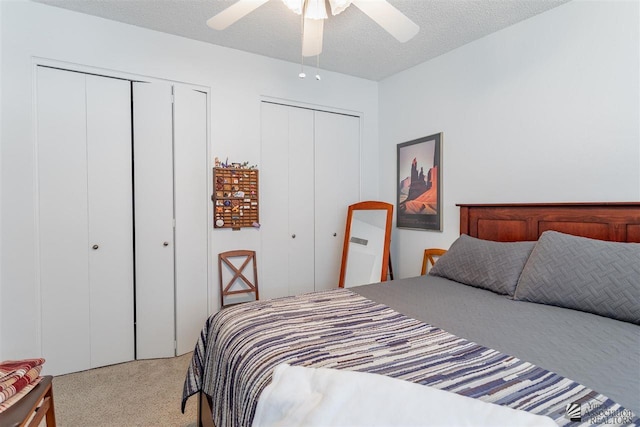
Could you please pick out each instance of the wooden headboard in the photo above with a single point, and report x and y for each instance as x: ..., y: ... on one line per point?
x: 618, y: 222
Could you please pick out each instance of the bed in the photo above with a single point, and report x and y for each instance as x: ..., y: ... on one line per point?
x: 493, y: 321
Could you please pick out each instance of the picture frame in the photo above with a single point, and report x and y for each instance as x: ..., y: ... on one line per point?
x: 419, y: 183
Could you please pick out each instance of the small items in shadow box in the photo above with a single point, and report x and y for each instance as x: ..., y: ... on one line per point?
x: 235, y: 198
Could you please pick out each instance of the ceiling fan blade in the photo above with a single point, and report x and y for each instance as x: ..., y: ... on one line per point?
x: 312, y: 37
x: 389, y: 18
x: 233, y: 13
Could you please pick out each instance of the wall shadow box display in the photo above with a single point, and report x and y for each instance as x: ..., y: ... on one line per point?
x: 235, y: 198
x: 419, y: 189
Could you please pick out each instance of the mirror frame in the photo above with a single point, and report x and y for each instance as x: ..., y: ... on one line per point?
x: 363, y: 206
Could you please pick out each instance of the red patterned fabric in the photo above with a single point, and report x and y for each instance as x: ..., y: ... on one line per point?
x: 15, y: 375
x: 19, y: 395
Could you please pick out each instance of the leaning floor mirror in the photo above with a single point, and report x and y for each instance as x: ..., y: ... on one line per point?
x: 367, y: 238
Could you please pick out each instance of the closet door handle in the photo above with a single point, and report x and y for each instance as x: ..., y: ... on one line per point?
x: 335, y: 234
x: 165, y: 244
x: 293, y: 236
x: 95, y: 247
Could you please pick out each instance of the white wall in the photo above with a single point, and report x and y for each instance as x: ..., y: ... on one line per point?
x: 237, y: 81
x: 543, y: 111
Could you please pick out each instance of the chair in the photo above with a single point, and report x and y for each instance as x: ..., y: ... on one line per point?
x: 32, y: 407
x: 429, y: 259
x: 239, y: 283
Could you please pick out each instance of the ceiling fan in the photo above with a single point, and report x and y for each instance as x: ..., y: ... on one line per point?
x: 314, y: 12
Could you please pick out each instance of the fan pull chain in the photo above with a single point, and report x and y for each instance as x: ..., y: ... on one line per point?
x: 302, y: 75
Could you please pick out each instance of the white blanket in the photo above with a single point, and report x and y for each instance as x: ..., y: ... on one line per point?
x: 299, y: 396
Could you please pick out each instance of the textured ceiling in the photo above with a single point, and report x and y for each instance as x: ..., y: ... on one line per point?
x: 353, y: 43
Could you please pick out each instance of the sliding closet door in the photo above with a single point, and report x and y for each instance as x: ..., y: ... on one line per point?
x: 301, y: 201
x: 85, y: 227
x: 63, y: 221
x: 310, y: 173
x: 191, y: 207
x: 110, y: 220
x: 94, y: 183
x: 274, y: 179
x: 153, y: 192
x: 337, y: 185
x: 286, y: 181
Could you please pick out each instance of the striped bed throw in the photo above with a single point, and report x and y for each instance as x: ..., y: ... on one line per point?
x: 240, y: 346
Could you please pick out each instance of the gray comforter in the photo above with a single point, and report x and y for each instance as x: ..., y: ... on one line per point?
x: 600, y: 353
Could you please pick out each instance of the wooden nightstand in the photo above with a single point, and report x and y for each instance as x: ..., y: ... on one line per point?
x: 37, y: 403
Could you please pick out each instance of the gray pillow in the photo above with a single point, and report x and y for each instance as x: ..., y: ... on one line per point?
x: 495, y: 266
x: 584, y: 274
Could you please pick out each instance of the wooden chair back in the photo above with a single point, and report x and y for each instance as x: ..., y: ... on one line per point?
x: 245, y: 285
x: 429, y: 259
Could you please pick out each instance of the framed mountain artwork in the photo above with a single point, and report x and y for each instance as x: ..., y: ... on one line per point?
x: 419, y: 184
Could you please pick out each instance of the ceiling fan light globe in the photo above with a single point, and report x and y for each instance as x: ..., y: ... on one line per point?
x: 316, y: 9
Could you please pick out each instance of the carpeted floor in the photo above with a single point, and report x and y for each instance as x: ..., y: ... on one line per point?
x: 145, y: 393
